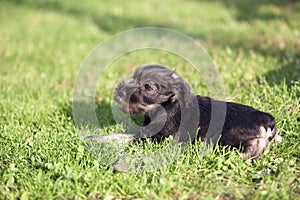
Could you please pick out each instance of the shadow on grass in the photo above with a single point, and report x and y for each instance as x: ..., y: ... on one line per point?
x: 289, y: 72
x: 251, y: 10
x: 102, y: 109
x: 112, y: 23
x: 104, y: 116
x: 107, y: 22
x: 54, y: 5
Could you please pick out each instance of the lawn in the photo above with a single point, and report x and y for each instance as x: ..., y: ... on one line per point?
x: 254, y: 44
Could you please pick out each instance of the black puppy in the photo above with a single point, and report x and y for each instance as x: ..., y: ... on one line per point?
x: 163, y: 96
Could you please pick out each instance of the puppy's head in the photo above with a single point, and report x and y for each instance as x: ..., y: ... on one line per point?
x: 151, y: 85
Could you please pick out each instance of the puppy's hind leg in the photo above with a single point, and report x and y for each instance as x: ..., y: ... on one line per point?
x: 257, y: 145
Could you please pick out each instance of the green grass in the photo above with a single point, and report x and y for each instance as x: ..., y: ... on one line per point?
x: 255, y: 45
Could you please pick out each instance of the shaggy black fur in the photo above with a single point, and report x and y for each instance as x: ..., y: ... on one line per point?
x: 155, y: 87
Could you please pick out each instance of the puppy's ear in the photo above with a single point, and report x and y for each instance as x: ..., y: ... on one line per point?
x: 181, y: 90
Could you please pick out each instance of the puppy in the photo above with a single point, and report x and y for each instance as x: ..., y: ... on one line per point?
x: 162, y: 96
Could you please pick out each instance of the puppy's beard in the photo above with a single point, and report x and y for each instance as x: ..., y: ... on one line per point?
x: 133, y: 109
x: 140, y: 109
x: 152, y: 106
x: 136, y: 109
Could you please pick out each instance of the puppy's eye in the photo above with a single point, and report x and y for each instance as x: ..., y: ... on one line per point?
x: 147, y: 86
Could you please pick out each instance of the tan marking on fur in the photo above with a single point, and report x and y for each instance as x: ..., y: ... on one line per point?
x: 256, y: 147
x: 175, y: 76
x: 267, y: 134
x: 263, y: 132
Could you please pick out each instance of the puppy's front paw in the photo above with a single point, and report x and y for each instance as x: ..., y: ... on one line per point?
x: 119, y: 138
